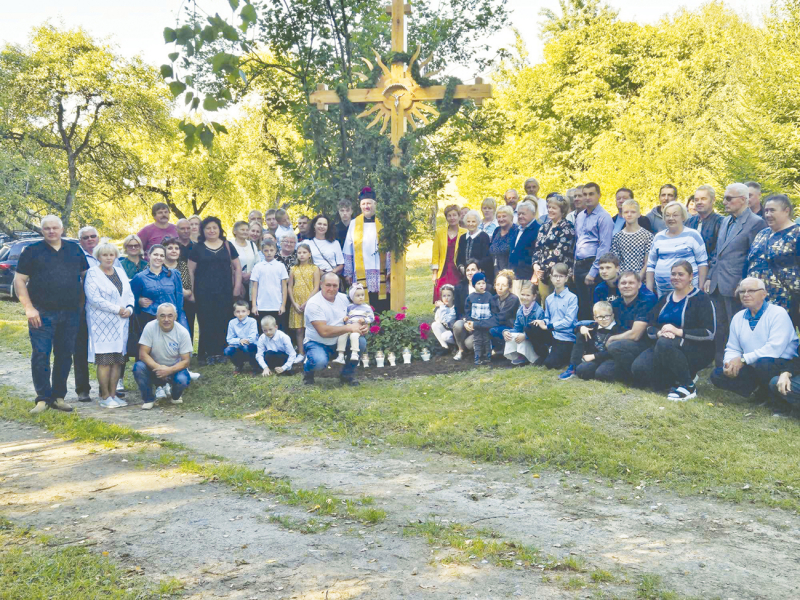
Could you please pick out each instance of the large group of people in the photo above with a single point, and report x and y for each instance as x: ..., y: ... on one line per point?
x: 558, y: 283
x: 648, y: 300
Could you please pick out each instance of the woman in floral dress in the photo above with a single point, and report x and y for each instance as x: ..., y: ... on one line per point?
x: 554, y: 244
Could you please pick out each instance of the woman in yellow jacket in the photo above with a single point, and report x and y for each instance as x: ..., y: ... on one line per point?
x: 445, y: 250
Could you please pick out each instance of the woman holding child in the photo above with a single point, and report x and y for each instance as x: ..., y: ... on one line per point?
x: 682, y: 327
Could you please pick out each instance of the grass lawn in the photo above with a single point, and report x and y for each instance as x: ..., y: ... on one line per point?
x: 30, y: 567
x: 14, y: 327
x: 718, y: 445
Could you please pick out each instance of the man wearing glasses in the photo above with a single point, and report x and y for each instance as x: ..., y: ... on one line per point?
x: 736, y: 235
x: 761, y: 345
x: 88, y: 239
x: 49, y: 286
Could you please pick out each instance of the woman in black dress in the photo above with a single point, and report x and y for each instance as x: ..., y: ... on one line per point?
x: 216, y: 279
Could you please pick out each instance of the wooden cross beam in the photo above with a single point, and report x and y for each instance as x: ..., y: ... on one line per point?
x: 399, y: 101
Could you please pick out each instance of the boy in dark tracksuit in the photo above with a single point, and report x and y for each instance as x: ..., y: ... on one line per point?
x: 590, y: 358
x: 478, y: 311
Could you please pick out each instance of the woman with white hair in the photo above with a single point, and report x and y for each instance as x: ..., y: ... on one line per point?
x: 474, y: 244
x: 674, y: 244
x: 109, y: 306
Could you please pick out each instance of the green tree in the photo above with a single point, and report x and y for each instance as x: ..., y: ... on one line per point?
x: 65, y: 101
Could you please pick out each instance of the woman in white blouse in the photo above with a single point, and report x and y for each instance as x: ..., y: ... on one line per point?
x: 248, y: 251
x: 109, y: 305
x: 325, y: 249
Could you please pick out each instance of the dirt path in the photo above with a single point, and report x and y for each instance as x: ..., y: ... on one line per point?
x: 700, y: 547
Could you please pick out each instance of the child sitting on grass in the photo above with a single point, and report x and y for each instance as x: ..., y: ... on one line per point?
x: 444, y: 316
x: 478, y: 310
x: 241, y: 338
x: 518, y: 348
x: 357, y: 312
x: 274, y: 349
x: 590, y: 350
x: 552, y: 337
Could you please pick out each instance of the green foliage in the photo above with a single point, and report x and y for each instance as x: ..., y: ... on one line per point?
x: 393, y: 332
x: 66, y: 99
x: 687, y: 101
x: 282, y: 50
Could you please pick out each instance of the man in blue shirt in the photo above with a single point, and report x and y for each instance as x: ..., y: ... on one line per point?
x: 631, y: 312
x: 706, y: 221
x: 607, y: 289
x: 49, y: 287
x: 593, y: 232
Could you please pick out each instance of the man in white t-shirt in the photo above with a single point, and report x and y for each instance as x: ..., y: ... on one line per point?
x: 324, y: 318
x: 164, y: 352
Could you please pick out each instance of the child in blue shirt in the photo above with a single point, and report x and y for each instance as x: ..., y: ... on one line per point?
x: 553, y: 336
x: 241, y: 338
x: 518, y: 348
x: 478, y: 310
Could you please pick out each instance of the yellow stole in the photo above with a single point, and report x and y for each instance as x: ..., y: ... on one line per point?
x: 358, y: 251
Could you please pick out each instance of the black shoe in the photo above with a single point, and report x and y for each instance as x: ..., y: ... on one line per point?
x: 84, y: 397
x: 308, y: 378
x: 352, y: 382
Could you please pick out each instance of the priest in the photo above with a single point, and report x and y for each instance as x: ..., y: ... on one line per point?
x: 363, y: 262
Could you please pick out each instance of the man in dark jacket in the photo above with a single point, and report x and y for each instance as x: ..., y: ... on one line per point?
x: 520, y: 258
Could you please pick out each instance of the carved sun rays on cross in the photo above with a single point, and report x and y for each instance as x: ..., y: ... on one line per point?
x: 399, y: 95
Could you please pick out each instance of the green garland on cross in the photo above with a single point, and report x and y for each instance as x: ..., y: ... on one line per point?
x: 394, y: 186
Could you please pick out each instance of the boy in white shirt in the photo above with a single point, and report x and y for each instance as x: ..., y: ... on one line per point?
x: 269, y: 285
x: 284, y: 224
x: 241, y: 338
x: 274, y: 349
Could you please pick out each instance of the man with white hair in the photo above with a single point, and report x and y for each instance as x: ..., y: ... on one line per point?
x: 511, y: 198
x: 49, y: 287
x: 736, y: 234
x: 165, y: 349
x: 531, y: 186
x: 520, y: 256
x: 761, y: 344
x: 88, y: 238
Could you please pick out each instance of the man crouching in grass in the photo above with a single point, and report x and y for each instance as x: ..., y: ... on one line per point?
x: 164, y: 352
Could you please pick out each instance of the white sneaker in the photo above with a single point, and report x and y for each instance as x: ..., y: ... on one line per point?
x: 120, y: 386
x: 167, y: 391
x: 120, y: 401
x: 177, y: 401
x: 354, y: 356
x: 457, y: 355
x: 109, y: 402
x: 160, y: 393
x: 339, y: 359
x: 300, y: 359
x: 147, y: 405
x: 194, y: 376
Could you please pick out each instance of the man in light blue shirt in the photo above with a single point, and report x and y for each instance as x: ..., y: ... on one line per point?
x: 593, y: 233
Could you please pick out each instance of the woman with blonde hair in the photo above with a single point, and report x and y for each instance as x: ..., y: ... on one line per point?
x: 195, y: 222
x: 109, y: 306
x: 133, y: 262
x: 445, y: 250
x: 489, y: 223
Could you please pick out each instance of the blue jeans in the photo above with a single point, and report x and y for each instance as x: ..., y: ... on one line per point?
x: 146, y: 378
x: 496, y: 337
x: 318, y: 355
x: 751, y: 377
x: 238, y: 354
x: 793, y: 397
x: 57, y: 335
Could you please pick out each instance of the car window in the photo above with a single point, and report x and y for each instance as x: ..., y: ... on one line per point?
x: 4, y: 252
x: 16, y: 250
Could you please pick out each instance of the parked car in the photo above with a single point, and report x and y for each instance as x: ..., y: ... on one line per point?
x: 9, y: 257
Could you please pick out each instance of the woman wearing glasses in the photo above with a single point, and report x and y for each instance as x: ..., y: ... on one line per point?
x: 133, y: 261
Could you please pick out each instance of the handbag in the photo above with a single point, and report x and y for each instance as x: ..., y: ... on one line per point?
x: 342, y: 280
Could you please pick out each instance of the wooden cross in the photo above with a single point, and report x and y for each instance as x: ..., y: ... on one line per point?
x: 399, y: 101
